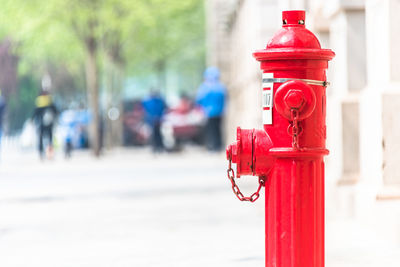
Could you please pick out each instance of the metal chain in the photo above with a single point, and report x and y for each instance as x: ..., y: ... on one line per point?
x: 295, y: 128
x: 235, y: 187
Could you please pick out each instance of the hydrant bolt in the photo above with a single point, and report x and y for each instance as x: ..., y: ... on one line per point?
x: 294, y: 98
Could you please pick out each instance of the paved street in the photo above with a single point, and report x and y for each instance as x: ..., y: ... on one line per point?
x: 130, y: 208
x: 126, y: 209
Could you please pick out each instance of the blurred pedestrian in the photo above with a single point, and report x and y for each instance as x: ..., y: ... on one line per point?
x: 44, y: 116
x: 154, y: 107
x: 68, y: 124
x: 211, y: 97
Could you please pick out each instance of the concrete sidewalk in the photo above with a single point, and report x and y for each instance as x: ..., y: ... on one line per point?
x: 130, y: 208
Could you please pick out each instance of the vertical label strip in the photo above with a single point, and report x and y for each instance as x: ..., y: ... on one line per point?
x: 267, y: 98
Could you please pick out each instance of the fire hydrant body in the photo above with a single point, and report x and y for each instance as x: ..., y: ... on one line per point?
x: 287, y: 155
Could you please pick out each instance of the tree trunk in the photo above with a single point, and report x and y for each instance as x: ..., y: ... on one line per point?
x: 114, y: 83
x: 108, y: 137
x: 161, y: 73
x: 118, y: 125
x: 93, y: 100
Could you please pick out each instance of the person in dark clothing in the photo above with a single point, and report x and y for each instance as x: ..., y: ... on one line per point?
x: 44, y: 117
x: 154, y: 107
x: 211, y: 97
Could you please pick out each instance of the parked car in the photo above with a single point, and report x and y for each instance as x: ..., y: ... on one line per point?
x: 136, y: 131
x: 183, y: 124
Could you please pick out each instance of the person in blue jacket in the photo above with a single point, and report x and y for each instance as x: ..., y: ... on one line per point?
x: 211, y: 96
x: 154, y: 107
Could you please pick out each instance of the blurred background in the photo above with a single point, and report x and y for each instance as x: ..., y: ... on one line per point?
x: 114, y: 115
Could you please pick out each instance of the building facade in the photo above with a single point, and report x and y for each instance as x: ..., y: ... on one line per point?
x: 363, y: 124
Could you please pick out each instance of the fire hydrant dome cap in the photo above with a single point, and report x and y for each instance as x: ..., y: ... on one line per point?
x: 293, y: 41
x: 294, y: 37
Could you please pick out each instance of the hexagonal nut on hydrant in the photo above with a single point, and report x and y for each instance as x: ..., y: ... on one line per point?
x: 294, y: 98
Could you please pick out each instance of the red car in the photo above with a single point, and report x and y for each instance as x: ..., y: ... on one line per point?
x: 185, y: 123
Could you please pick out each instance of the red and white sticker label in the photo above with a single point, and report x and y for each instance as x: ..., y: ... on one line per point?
x: 267, y: 98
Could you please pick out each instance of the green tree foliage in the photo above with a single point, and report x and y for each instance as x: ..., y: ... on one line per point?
x: 172, y: 38
x: 106, y: 40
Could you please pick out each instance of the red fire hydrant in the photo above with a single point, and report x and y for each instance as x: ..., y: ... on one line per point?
x: 287, y: 155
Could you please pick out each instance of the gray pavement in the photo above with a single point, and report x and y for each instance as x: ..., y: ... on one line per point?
x: 130, y: 208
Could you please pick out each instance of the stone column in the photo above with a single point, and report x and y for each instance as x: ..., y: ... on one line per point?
x: 218, y: 15
x: 248, y: 25
x: 380, y: 118
x: 348, y: 40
